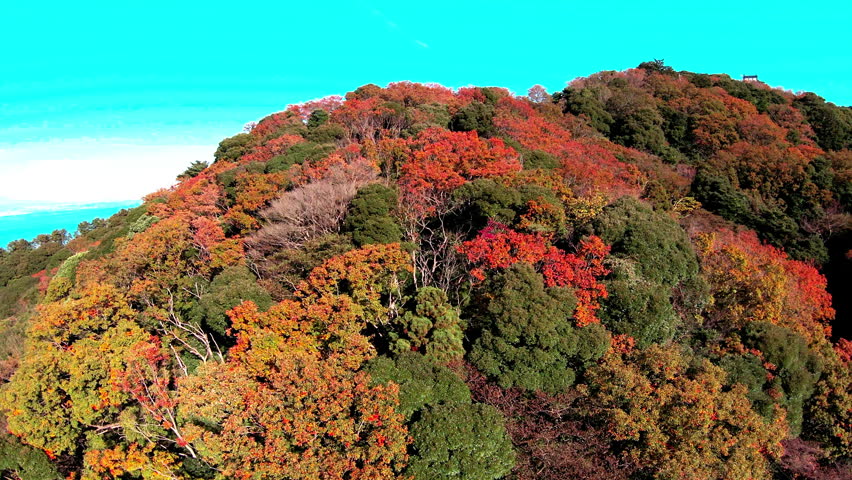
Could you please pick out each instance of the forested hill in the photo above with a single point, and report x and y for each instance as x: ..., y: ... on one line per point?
x: 627, y: 279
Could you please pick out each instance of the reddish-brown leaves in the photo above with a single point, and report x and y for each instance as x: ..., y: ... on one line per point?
x: 441, y: 161
x: 497, y: 247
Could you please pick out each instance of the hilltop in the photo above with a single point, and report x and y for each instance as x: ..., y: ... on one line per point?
x: 629, y: 278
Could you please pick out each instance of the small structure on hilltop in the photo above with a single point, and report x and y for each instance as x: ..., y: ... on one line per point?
x: 750, y: 78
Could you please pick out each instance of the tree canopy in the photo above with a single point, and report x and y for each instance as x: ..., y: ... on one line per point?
x: 642, y: 276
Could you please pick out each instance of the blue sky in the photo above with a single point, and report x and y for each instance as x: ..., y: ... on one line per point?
x: 110, y: 100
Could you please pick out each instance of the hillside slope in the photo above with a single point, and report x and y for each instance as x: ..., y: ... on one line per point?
x: 619, y: 280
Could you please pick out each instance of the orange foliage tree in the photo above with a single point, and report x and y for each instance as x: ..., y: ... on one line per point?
x: 199, y: 195
x: 678, y: 421
x: 68, y: 384
x: 373, y: 277
x: 292, y: 401
x: 751, y: 281
x: 253, y: 191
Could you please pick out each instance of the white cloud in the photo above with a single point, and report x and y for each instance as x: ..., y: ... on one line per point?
x: 88, y: 170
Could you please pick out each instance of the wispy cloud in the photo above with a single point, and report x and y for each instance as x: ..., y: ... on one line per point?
x: 392, y: 25
x: 88, y: 170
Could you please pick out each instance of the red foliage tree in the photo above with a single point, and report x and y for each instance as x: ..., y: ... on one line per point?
x: 761, y: 130
x: 148, y: 381
x: 199, y: 195
x: 441, y: 161
x: 275, y: 123
x: 497, y: 247
x: 366, y: 119
x: 304, y: 110
x: 209, y: 238
x: 798, y: 129
x: 585, y: 165
x: 273, y: 147
x: 411, y: 94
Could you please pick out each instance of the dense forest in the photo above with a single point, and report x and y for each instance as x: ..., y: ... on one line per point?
x: 627, y: 279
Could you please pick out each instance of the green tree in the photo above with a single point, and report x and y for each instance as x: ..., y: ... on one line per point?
x: 640, y: 309
x: 234, y: 147
x: 829, y: 411
x: 717, y: 194
x: 142, y: 223
x: 794, y: 368
x: 452, y: 437
x: 476, y: 116
x: 422, y: 383
x: 832, y: 124
x: 659, y: 246
x: 369, y: 217
x: 18, y: 461
x: 636, y: 121
x: 193, y: 170
x: 434, y: 328
x: 527, y: 339
x: 657, y: 66
x: 318, y: 117
x: 762, y: 98
x: 784, y: 374
x: 299, y: 154
x: 460, y: 441
x: 586, y: 103
x: 485, y: 199
x: 539, y: 159
x: 228, y: 289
